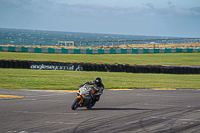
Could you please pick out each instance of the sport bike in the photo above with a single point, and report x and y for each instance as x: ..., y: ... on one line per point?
x: 84, y: 98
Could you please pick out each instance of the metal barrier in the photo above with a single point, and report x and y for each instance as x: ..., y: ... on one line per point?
x: 129, y: 42
x: 99, y: 51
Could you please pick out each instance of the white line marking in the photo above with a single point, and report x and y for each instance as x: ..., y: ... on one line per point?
x: 154, y: 117
x: 64, y: 123
x: 48, y: 91
x: 188, y: 120
x: 147, y: 104
x: 45, y: 95
x: 29, y: 99
x: 27, y: 112
x: 152, y: 95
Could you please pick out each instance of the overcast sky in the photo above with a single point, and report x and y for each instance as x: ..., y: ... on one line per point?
x: 177, y: 18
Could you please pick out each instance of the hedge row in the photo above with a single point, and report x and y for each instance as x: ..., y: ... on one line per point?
x: 100, y: 67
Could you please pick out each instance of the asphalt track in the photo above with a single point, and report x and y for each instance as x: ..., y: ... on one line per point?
x: 129, y: 111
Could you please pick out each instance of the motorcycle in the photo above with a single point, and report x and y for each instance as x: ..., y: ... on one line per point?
x: 85, y: 95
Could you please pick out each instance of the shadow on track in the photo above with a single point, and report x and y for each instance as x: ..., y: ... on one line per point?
x: 118, y: 109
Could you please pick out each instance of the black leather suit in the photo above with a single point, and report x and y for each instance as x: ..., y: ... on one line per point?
x: 98, y: 87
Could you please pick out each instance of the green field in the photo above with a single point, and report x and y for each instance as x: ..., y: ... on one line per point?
x: 61, y: 79
x: 139, y: 59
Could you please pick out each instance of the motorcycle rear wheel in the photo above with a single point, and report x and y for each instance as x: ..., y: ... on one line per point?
x: 90, y: 107
x: 75, y: 104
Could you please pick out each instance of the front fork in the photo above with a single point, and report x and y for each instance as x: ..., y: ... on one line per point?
x: 81, y: 99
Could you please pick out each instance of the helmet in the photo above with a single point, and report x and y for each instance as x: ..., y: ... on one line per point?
x: 98, y: 80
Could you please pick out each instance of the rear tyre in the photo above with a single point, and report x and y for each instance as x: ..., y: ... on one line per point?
x: 75, y: 104
x: 91, y: 105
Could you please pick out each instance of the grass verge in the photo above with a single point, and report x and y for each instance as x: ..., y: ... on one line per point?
x: 61, y: 79
x: 132, y: 59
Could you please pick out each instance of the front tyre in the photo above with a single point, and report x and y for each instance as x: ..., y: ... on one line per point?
x: 75, y: 104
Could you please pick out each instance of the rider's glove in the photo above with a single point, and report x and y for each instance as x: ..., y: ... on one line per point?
x: 80, y: 85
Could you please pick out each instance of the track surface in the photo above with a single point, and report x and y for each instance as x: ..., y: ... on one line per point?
x: 134, y: 111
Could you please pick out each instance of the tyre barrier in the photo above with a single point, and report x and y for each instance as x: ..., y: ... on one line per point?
x: 45, y: 65
x: 14, y: 64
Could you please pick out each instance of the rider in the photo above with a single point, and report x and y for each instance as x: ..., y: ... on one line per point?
x: 98, y: 87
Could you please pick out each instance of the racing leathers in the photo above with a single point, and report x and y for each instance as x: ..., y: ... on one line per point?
x: 98, y: 87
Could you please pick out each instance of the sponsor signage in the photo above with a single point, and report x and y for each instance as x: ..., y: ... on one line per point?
x: 43, y: 66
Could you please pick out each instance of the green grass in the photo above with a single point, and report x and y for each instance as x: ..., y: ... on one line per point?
x: 139, y: 59
x: 61, y: 79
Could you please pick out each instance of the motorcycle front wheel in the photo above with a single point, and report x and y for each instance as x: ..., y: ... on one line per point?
x: 75, y: 104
